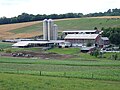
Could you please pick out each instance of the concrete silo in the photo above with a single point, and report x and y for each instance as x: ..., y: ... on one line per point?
x: 55, y: 32
x: 50, y: 29
x: 45, y: 29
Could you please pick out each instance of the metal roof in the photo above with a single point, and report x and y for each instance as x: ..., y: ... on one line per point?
x: 87, y: 48
x: 81, y: 36
x: 79, y: 31
x: 104, y: 38
x: 26, y: 43
x: 57, y: 41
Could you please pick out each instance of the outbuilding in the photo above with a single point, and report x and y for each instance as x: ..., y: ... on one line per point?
x: 23, y: 44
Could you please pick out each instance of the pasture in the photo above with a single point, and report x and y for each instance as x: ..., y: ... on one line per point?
x: 30, y: 82
x: 5, y: 45
x: 29, y: 73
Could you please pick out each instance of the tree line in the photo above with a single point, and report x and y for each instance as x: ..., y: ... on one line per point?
x: 110, y: 12
x: 25, y: 17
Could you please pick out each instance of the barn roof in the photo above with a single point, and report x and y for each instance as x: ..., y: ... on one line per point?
x: 26, y: 43
x: 104, y: 38
x: 79, y: 31
x: 81, y: 36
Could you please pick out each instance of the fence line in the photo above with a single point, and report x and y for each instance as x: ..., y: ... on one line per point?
x: 64, y: 74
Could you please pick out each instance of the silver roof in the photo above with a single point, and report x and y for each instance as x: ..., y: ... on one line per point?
x: 79, y: 31
x: 104, y: 38
x: 26, y: 43
x: 81, y: 36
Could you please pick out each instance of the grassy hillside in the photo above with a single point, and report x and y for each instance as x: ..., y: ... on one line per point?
x: 34, y: 29
x: 87, y: 23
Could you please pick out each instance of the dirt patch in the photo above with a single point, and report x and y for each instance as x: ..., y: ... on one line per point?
x: 41, y: 55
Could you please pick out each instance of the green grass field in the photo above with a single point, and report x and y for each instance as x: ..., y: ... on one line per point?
x: 87, y: 23
x: 64, y: 50
x: 29, y: 82
x: 5, y: 45
x: 74, y: 24
x: 28, y: 74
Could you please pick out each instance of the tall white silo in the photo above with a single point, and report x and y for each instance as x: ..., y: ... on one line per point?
x: 55, y: 32
x: 50, y: 29
x: 45, y: 29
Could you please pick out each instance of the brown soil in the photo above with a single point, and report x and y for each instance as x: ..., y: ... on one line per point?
x: 40, y: 55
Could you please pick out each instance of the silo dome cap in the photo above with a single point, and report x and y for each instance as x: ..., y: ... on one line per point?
x: 45, y: 20
x: 55, y: 25
x: 50, y: 20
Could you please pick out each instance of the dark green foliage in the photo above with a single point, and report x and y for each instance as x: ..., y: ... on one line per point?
x: 95, y: 28
x: 89, y: 44
x: 114, y: 38
x: 114, y: 56
x: 95, y: 53
x: 110, y: 12
x: 113, y: 34
x: 24, y: 17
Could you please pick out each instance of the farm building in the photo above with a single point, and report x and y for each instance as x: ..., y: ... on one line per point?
x: 83, y: 39
x: 104, y: 42
x: 50, y: 36
x: 64, y: 33
x: 42, y: 43
x: 80, y: 32
x: 70, y: 38
x: 32, y: 44
x: 87, y: 49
